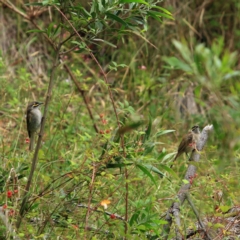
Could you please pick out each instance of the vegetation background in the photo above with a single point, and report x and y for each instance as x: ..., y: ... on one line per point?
x: 122, y: 81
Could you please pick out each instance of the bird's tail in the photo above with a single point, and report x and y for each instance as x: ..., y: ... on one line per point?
x: 177, y: 155
x: 31, y: 145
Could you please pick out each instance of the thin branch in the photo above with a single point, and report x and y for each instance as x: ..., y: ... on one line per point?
x: 100, y: 211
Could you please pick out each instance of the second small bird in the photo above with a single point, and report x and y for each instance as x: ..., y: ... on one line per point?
x: 188, y: 142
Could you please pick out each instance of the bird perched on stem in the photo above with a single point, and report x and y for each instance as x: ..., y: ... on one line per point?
x: 188, y: 142
x: 34, y: 119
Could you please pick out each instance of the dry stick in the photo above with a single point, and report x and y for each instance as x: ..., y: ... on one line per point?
x: 175, y: 208
x: 35, y: 157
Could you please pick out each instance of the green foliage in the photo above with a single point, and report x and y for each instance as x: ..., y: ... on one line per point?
x: 212, y: 68
x: 127, y: 160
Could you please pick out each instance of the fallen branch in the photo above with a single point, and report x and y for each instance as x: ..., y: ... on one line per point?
x: 174, y: 210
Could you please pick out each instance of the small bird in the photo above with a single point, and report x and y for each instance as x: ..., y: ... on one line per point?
x: 34, y: 119
x: 188, y: 142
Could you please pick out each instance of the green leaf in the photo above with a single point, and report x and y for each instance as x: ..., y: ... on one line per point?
x: 145, y: 171
x: 162, y: 132
x: 104, y: 41
x: 148, y: 130
x: 168, y: 169
x: 156, y: 17
x: 130, y: 127
x: 36, y: 30
x: 155, y: 170
x: 163, y: 9
x: 178, y: 64
x: 148, y: 147
x: 184, y: 50
x: 133, y: 1
x: 168, y: 156
x: 134, y: 218
x: 218, y: 225
x: 159, y: 14
x: 225, y: 208
x: 80, y: 44
x: 185, y: 181
x: 116, y: 18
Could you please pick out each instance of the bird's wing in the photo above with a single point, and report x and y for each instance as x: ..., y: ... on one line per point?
x: 28, y: 122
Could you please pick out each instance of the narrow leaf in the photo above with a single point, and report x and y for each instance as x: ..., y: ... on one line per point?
x: 155, y: 170
x: 163, y: 9
x: 36, y: 30
x: 130, y: 127
x: 104, y: 41
x: 148, y: 130
x: 116, y: 18
x: 162, y: 132
x: 133, y: 1
x: 145, y: 171
x: 159, y: 14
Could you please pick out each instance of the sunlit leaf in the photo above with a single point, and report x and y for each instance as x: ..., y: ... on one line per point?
x: 160, y: 14
x: 168, y: 156
x: 162, y: 9
x: 162, y: 132
x: 133, y: 1
x: 104, y: 41
x: 178, y: 64
x: 184, y: 50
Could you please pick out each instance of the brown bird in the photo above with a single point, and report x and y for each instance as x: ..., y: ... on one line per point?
x: 188, y: 142
x: 34, y: 118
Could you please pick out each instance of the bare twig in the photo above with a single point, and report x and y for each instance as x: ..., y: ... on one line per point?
x: 100, y: 211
